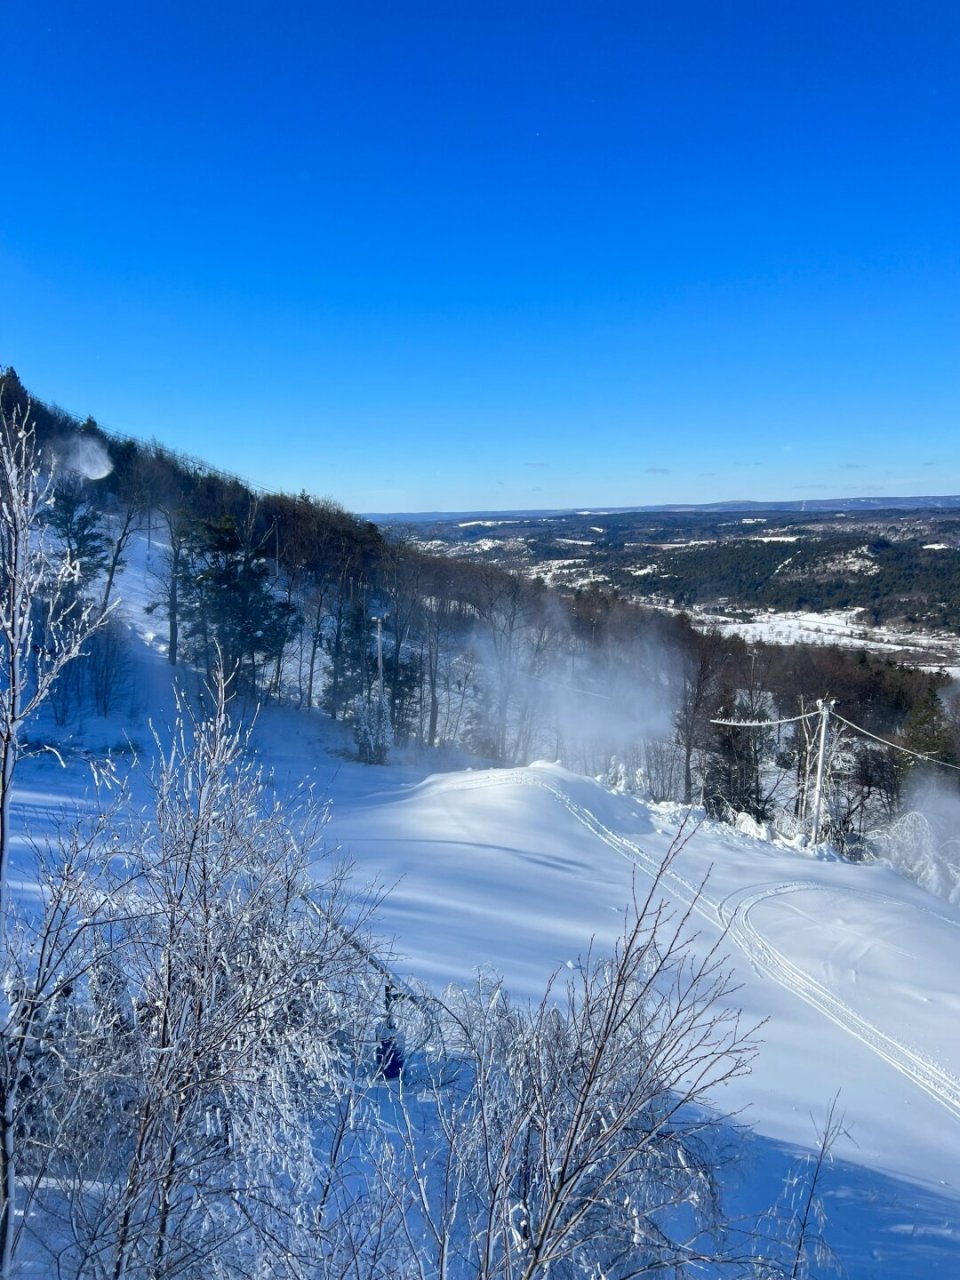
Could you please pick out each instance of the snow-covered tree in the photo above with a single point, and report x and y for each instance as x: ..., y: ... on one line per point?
x: 44, y: 624
x: 222, y: 1019
x: 569, y: 1139
x: 372, y: 730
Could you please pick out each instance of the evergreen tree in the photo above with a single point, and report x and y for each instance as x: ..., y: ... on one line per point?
x: 78, y: 524
x: 926, y: 730
x: 228, y: 611
x: 733, y: 775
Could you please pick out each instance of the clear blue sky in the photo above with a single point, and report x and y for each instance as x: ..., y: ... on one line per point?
x: 458, y: 255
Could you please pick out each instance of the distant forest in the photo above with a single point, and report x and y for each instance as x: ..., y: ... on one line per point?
x: 898, y: 566
x: 308, y: 604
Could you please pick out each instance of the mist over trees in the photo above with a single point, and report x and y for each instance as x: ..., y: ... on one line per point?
x: 286, y: 592
x: 207, y: 1068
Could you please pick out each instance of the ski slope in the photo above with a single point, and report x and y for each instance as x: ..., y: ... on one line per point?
x: 852, y: 970
x: 520, y: 868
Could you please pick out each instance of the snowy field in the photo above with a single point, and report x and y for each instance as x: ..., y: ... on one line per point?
x: 852, y: 970
x: 844, y: 627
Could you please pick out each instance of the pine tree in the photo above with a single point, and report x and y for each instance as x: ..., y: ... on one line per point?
x: 228, y: 611
x: 79, y: 527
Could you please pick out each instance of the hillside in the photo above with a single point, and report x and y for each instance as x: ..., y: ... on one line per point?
x: 849, y: 968
x: 895, y: 564
x: 840, y: 970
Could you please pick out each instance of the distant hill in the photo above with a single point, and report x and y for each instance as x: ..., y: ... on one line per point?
x: 949, y: 502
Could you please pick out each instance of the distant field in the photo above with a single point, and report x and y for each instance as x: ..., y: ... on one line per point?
x: 897, y: 568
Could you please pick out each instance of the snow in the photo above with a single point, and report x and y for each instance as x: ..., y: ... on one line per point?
x: 843, y: 627
x: 520, y: 868
x: 552, y: 571
x: 486, y: 524
x: 483, y: 545
x: 783, y: 564
x: 852, y: 970
x: 851, y: 967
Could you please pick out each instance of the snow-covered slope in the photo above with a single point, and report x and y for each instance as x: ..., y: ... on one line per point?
x: 852, y: 969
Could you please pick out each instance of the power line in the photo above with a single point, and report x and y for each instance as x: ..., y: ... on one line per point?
x: 765, y: 724
x: 809, y: 715
x: 918, y: 755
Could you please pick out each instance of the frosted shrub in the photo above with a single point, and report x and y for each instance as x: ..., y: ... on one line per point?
x: 567, y: 1139
x: 219, y: 1023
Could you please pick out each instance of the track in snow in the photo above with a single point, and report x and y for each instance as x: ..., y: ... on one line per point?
x: 733, y: 915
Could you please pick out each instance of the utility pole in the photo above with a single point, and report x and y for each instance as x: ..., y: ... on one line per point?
x: 824, y: 706
x: 379, y: 622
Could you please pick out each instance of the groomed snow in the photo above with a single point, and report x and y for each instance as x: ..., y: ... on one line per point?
x: 851, y: 969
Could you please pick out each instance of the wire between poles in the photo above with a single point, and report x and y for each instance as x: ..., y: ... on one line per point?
x: 918, y: 755
x: 809, y: 715
x: 765, y: 724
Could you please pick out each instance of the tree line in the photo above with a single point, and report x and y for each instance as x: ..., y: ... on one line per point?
x: 204, y: 1074
x: 303, y: 602
x: 897, y: 578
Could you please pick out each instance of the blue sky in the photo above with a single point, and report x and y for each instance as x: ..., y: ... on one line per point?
x: 491, y: 255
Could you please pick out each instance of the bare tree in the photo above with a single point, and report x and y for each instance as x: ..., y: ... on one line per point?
x: 570, y: 1138
x: 106, y: 665
x: 43, y: 626
x: 50, y: 953
x: 43, y: 622
x: 699, y: 697
x: 169, y: 575
x: 789, y: 1241
x: 228, y: 996
x: 127, y: 522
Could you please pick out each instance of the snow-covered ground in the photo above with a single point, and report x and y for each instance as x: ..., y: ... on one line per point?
x: 844, y: 627
x: 852, y: 970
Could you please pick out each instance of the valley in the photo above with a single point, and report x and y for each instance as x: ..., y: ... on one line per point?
x: 896, y: 568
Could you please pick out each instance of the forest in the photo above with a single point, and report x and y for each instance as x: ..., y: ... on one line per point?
x: 899, y: 565
x: 304, y: 603
x: 207, y: 1065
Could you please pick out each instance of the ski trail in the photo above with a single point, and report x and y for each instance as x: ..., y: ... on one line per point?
x: 927, y: 1075
x: 735, y: 919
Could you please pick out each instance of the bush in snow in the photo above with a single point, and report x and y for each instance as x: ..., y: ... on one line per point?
x: 222, y: 1003
x: 569, y: 1139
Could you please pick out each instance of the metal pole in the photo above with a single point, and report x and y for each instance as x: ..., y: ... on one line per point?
x: 825, y: 706
x: 380, y: 659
